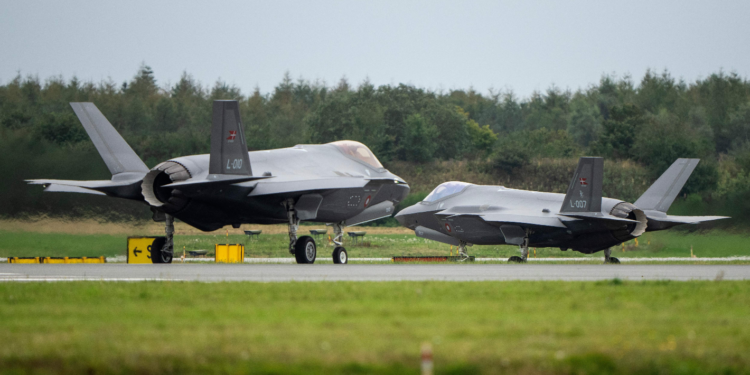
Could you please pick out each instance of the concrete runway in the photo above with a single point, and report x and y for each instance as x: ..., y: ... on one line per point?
x: 366, y: 272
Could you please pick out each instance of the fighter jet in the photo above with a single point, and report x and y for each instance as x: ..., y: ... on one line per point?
x: 339, y: 183
x: 463, y: 214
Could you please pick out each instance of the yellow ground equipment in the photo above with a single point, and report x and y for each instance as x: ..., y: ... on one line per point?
x: 57, y: 260
x: 230, y: 253
x: 68, y: 260
x: 139, y: 248
x: 24, y: 260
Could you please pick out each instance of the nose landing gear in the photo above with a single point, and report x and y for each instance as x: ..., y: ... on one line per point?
x: 340, y: 256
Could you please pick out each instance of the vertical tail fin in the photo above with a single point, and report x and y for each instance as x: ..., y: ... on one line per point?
x: 662, y: 193
x: 585, y: 190
x: 228, y: 149
x: 117, y: 154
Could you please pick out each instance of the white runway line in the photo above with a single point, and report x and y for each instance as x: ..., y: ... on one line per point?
x: 123, y: 259
x: 624, y: 260
x: 57, y: 279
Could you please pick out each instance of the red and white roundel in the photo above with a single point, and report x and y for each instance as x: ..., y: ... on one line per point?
x: 447, y: 227
x: 367, y: 200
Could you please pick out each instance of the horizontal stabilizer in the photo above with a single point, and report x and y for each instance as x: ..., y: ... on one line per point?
x: 674, y: 219
x: 117, y: 154
x: 663, y: 192
x: 693, y: 219
x: 54, y: 188
x: 434, y: 235
x: 128, y: 189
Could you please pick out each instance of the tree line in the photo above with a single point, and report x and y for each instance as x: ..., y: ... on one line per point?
x: 649, y: 122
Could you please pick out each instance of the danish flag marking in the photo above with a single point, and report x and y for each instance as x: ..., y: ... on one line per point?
x: 582, y: 181
x: 232, y: 135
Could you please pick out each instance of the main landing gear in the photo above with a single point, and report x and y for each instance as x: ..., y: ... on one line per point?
x: 524, y: 247
x: 340, y: 255
x: 164, y: 253
x: 303, y: 248
x: 608, y: 258
x: 461, y: 250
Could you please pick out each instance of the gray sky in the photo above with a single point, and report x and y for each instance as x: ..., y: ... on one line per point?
x: 440, y: 45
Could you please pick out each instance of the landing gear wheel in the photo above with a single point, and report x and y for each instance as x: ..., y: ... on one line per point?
x: 516, y: 259
x: 158, y: 253
x: 340, y: 256
x: 613, y: 260
x: 305, y: 250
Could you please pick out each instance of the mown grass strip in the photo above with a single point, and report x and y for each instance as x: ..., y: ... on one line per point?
x: 370, y: 327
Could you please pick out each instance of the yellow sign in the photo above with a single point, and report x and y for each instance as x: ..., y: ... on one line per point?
x: 139, y: 249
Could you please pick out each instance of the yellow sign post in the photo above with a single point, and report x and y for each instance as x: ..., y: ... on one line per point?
x: 139, y: 248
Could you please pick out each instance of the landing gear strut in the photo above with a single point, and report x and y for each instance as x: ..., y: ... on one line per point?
x: 524, y: 247
x: 462, y: 250
x: 303, y: 248
x: 608, y: 258
x: 340, y: 256
x: 166, y: 252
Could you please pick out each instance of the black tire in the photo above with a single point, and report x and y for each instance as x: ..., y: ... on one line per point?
x: 613, y: 260
x: 340, y: 255
x: 157, y: 254
x: 516, y: 259
x: 305, y: 250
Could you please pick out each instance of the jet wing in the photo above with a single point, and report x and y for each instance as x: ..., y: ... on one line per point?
x: 514, y: 218
x: 293, y: 184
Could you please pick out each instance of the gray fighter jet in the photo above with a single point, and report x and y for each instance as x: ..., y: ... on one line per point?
x: 463, y: 214
x: 340, y: 183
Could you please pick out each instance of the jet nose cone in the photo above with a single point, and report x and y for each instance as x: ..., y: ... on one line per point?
x: 404, y: 216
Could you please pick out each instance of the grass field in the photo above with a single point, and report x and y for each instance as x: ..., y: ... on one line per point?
x: 608, y: 327
x: 89, y: 238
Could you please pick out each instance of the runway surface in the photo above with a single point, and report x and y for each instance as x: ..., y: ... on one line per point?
x: 366, y: 272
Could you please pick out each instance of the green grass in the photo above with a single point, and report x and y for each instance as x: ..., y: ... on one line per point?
x: 611, y: 327
x: 22, y: 244
x: 658, y: 244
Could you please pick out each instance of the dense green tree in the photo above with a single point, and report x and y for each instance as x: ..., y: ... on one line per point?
x: 584, y: 121
x: 650, y: 121
x: 619, y: 132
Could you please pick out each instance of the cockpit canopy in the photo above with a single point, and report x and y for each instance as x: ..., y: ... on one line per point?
x: 358, y: 151
x: 445, y: 189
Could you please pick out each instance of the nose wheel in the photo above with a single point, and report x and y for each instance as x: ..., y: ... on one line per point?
x: 340, y: 256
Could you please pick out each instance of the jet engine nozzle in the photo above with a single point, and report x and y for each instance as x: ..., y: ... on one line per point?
x: 169, y: 200
x: 629, y: 211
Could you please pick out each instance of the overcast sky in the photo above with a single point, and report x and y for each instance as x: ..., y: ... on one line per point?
x: 439, y: 45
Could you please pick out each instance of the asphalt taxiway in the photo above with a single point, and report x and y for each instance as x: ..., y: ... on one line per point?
x: 367, y: 272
